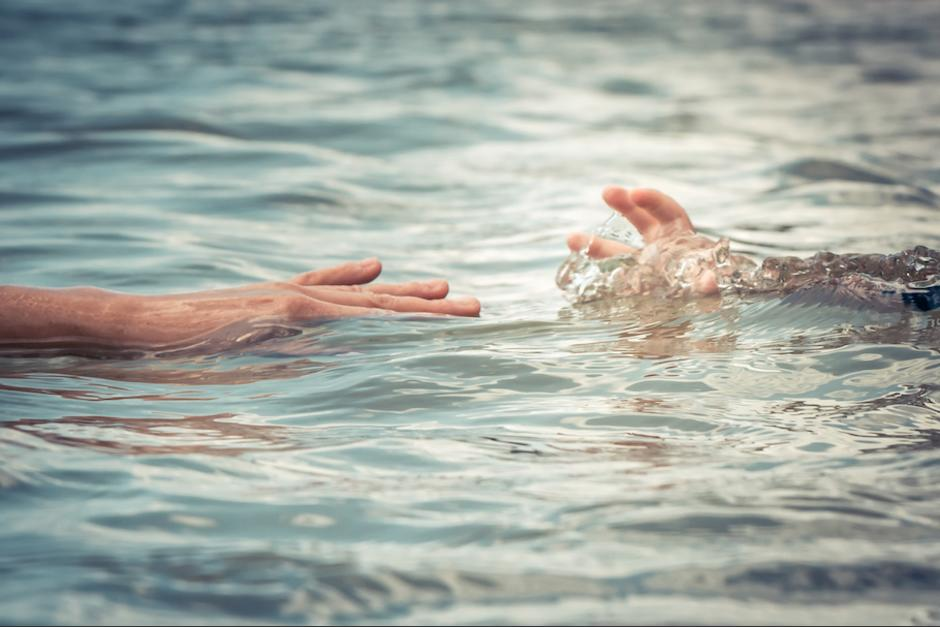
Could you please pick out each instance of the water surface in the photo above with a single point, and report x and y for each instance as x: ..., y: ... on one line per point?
x: 763, y: 460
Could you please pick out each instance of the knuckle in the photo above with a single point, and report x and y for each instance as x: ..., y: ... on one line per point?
x: 382, y: 301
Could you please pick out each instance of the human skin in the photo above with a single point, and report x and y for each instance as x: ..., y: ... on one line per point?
x: 666, y: 229
x: 88, y: 315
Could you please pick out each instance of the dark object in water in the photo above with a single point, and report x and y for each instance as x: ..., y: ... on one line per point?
x: 925, y: 300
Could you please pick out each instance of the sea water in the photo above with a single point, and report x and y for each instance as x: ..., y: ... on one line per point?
x: 756, y: 458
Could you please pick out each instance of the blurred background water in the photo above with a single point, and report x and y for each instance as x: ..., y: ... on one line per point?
x: 760, y: 461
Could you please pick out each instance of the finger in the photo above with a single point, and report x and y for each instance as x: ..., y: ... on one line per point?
x: 351, y: 273
x: 433, y: 289
x: 618, y: 199
x: 406, y: 304
x: 598, y: 247
x: 311, y: 309
x: 663, y: 208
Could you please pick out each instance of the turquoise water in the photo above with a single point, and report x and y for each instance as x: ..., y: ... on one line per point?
x: 767, y: 460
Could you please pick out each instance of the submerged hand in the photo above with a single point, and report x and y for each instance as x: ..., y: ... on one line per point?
x: 92, y: 315
x: 672, y: 245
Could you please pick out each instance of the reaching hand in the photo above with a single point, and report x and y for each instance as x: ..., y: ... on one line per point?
x: 341, y: 291
x: 674, y: 252
x: 89, y: 315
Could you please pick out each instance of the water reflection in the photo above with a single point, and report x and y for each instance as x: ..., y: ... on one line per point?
x: 217, y: 434
x: 648, y: 329
x: 214, y: 370
x: 651, y: 329
x: 900, y: 421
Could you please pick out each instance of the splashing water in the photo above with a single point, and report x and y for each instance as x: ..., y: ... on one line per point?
x: 585, y: 279
x: 669, y: 267
x: 672, y: 267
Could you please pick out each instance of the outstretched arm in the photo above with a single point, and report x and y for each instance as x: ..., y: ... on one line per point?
x: 89, y: 315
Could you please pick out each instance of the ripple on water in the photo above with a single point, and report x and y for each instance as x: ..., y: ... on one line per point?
x: 648, y: 460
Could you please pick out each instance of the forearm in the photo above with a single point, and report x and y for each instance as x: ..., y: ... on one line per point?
x: 29, y: 314
x: 97, y: 317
